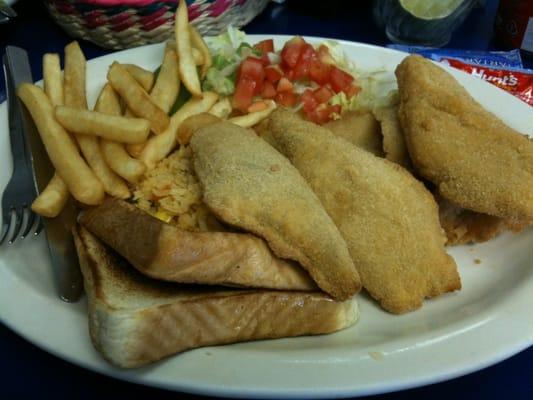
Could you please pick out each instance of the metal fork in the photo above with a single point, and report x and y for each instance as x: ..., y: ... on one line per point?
x: 17, y: 216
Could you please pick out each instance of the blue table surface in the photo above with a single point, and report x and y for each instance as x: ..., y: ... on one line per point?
x: 26, y: 371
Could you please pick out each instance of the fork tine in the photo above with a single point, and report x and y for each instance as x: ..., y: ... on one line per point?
x: 39, y: 225
x: 5, y: 230
x: 8, y: 224
x: 29, y: 222
x: 18, y: 225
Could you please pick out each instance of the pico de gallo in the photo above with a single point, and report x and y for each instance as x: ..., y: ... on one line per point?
x: 315, y: 79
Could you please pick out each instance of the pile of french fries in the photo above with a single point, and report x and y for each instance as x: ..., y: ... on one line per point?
x: 107, y: 150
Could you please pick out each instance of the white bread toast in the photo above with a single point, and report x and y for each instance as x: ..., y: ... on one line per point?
x: 135, y: 320
x: 209, y: 258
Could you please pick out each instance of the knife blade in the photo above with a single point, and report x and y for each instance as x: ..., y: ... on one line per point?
x: 58, y: 230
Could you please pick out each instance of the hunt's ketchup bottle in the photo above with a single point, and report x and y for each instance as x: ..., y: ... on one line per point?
x: 514, y: 25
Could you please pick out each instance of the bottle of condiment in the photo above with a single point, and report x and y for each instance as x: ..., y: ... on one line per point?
x: 514, y: 25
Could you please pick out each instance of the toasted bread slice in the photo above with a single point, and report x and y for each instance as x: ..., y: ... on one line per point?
x: 162, y: 251
x: 135, y: 320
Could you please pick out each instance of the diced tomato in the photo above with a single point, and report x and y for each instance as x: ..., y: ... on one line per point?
x: 251, y: 68
x: 273, y: 73
x: 288, y: 72
x: 301, y: 69
x: 339, y: 79
x: 324, y: 55
x: 308, y: 101
x: 284, y: 85
x: 335, y: 109
x: 352, y: 90
x: 265, y: 46
x: 318, y: 71
x: 268, y: 91
x: 291, y: 51
x: 323, y: 112
x: 287, y: 99
x: 323, y: 94
x: 265, y: 60
x: 244, y: 92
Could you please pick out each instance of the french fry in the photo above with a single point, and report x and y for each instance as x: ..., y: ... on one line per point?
x: 158, y: 147
x: 114, y: 153
x: 192, y: 124
x: 53, y: 79
x: 197, y: 56
x: 52, y: 199
x: 79, y: 178
x: 74, y: 77
x: 187, y: 66
x: 76, y: 102
x: 112, y: 127
x: 251, y: 119
x: 198, y: 42
x: 136, y: 98
x: 127, y: 112
x: 167, y: 84
x: 222, y: 108
x: 134, y: 149
x: 108, y: 101
x: 111, y: 182
x: 144, y: 77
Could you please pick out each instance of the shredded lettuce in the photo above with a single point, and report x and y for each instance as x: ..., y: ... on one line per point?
x: 215, y: 80
x: 378, y: 89
x: 228, y: 50
x: 340, y: 57
x: 226, y: 43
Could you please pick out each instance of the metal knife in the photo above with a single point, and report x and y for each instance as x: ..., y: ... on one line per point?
x: 58, y: 230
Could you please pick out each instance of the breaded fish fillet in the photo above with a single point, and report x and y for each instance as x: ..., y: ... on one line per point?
x: 476, y: 161
x: 248, y: 184
x: 360, y: 129
x: 388, y: 219
x: 393, y: 141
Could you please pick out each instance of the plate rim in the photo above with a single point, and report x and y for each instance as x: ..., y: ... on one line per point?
x: 504, y: 353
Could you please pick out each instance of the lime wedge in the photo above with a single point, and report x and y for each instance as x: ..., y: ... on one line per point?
x: 430, y: 9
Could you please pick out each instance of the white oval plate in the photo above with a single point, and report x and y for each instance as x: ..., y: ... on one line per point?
x: 488, y: 320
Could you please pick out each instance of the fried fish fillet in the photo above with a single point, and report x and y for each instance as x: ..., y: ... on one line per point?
x: 248, y: 184
x: 393, y: 141
x: 359, y: 128
x: 476, y: 161
x: 388, y: 218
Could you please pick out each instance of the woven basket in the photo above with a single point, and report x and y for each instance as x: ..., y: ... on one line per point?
x: 124, y: 26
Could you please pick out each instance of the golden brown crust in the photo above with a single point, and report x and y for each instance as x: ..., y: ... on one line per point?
x: 249, y: 184
x: 388, y: 218
x: 393, y: 141
x: 477, y: 161
x: 360, y: 129
x: 165, y: 252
